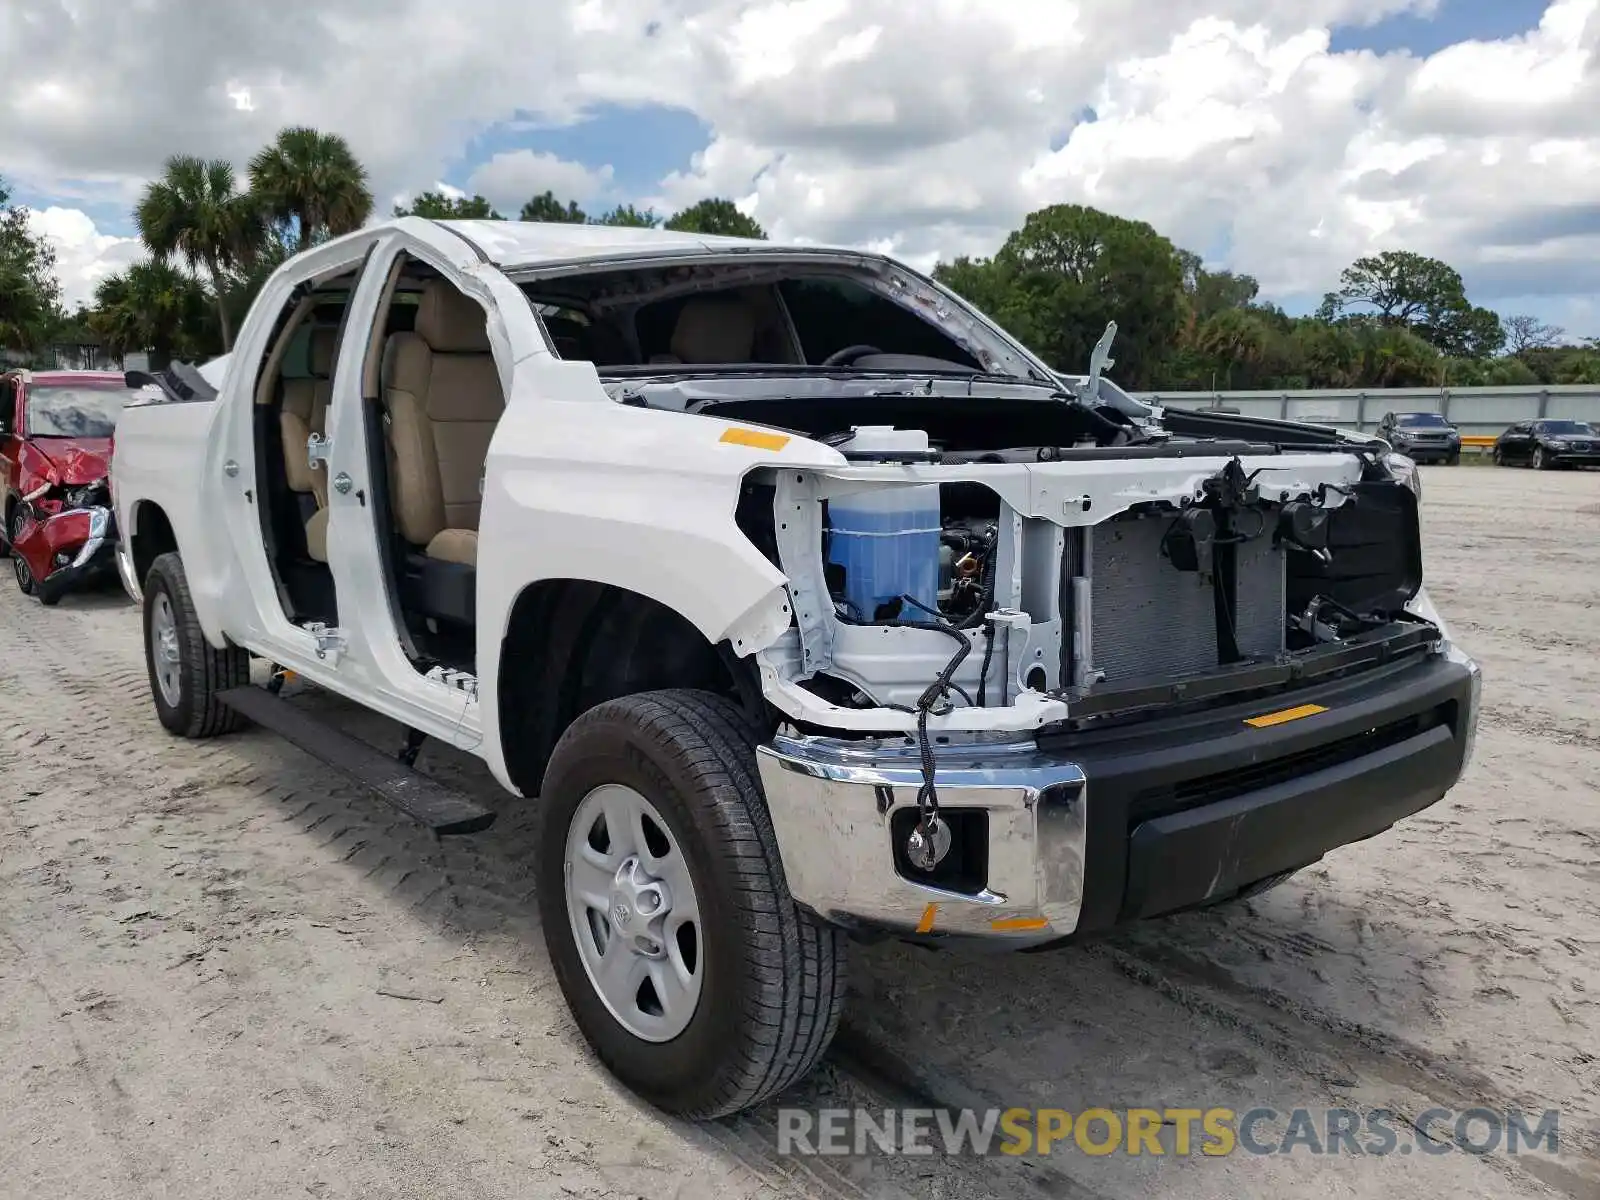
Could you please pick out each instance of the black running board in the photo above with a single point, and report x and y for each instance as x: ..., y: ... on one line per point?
x: 440, y: 808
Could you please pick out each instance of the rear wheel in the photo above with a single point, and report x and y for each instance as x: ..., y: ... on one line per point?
x: 186, y: 671
x: 19, y: 565
x: 687, y: 965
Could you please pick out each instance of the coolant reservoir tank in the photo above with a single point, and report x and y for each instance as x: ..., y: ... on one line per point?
x: 887, y: 539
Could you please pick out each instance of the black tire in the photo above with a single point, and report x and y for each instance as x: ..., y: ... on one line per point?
x: 1499, y: 457
x: 774, y: 975
x: 1454, y: 460
x: 1539, y: 461
x: 26, y: 583
x: 202, y: 672
x: 49, y: 599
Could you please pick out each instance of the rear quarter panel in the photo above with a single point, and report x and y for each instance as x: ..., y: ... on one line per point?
x: 164, y: 457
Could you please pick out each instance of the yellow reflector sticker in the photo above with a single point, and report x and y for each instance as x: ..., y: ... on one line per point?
x: 1266, y: 720
x: 926, y: 924
x: 756, y: 439
x: 1010, y: 924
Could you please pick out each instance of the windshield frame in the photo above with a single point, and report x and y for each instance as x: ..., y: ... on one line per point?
x: 44, y: 403
x: 1421, y: 420
x: 989, y: 343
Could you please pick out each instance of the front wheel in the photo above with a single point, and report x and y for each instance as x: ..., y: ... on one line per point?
x: 19, y: 565
x: 1540, y: 462
x: 186, y: 672
x: 686, y: 964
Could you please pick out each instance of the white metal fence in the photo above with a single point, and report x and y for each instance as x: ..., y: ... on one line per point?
x: 1474, y: 410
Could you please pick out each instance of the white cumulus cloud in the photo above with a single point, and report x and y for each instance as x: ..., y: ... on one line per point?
x: 928, y: 128
x: 84, y: 255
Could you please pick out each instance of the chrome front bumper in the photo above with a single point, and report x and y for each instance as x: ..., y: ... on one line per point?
x: 833, y: 804
x: 1103, y: 832
x: 125, y: 572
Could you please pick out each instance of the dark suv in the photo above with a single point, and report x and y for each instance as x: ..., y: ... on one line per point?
x: 1422, y: 436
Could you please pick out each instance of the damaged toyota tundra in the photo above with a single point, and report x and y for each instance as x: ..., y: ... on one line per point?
x: 804, y: 602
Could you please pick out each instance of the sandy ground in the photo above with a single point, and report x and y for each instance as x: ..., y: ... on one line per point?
x: 196, y: 941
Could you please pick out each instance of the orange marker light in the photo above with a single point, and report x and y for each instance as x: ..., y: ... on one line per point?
x: 756, y: 439
x: 1283, y: 717
x: 1018, y: 924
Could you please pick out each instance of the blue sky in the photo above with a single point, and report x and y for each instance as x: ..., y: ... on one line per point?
x: 641, y: 144
x: 1453, y: 21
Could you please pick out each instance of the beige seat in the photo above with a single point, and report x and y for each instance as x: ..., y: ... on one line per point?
x: 304, y: 412
x: 712, y: 331
x: 443, y: 397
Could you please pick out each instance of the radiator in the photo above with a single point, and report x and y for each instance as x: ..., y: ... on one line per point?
x: 1150, y: 620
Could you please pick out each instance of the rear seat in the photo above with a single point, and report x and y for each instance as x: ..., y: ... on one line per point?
x: 711, y: 330
x: 304, y: 412
x: 442, y: 395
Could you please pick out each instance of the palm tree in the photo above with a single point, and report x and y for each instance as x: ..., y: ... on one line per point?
x: 312, y: 184
x: 151, y: 306
x: 1232, y: 337
x: 193, y: 211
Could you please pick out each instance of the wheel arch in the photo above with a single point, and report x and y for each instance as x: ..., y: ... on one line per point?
x: 570, y: 644
x: 150, y: 535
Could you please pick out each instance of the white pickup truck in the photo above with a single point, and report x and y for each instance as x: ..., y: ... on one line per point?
x: 807, y: 601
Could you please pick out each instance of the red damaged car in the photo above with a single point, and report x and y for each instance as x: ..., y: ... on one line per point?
x: 55, y: 476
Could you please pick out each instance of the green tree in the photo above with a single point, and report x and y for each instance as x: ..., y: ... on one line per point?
x: 311, y: 184
x: 243, y: 285
x: 545, y: 207
x: 1211, y: 292
x: 1400, y: 287
x: 193, y: 212
x: 440, y: 207
x: 1394, y: 357
x: 1233, y: 338
x: 72, y: 328
x: 1564, y: 364
x: 1509, y: 371
x: 628, y: 215
x: 1424, y: 295
x: 1069, y: 270
x: 154, y: 307
x: 716, y: 216
x: 29, y: 291
x: 1327, y: 356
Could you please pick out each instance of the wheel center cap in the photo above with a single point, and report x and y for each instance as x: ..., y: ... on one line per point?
x: 638, y: 900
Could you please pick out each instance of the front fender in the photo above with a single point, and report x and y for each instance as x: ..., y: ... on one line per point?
x: 577, y: 486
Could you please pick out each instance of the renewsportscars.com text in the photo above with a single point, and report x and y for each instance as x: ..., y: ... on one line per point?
x: 1164, y: 1131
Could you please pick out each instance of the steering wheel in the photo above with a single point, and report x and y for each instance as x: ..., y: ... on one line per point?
x: 848, y: 355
